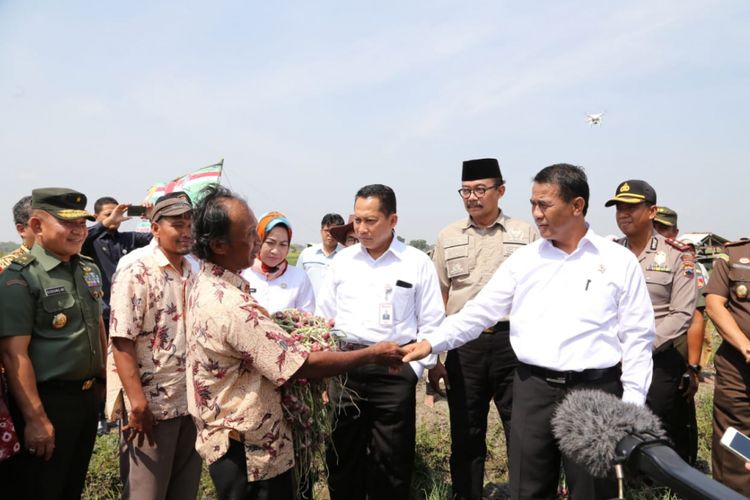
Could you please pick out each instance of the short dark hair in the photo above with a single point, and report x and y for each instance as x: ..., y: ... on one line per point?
x: 104, y: 200
x: 331, y: 219
x: 22, y: 211
x: 570, y: 180
x: 211, y: 219
x: 383, y: 193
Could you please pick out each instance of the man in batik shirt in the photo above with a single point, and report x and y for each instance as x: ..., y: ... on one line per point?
x: 238, y: 357
x: 147, y: 332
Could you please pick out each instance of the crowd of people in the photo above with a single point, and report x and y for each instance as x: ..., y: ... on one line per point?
x: 171, y: 334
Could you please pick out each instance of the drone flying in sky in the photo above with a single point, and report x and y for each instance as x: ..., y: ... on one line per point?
x: 594, y: 118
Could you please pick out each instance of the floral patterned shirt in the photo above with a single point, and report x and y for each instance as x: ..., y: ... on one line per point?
x: 148, y: 307
x: 237, y: 360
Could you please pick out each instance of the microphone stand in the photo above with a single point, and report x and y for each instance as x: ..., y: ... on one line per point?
x: 652, y: 456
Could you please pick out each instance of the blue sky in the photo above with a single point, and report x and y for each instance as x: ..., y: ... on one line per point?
x: 308, y: 101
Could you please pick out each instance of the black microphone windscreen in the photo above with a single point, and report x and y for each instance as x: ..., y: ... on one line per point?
x: 588, y: 424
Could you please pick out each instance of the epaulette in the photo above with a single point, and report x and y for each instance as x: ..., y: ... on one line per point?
x: 682, y: 247
x: 21, y: 261
x: 86, y: 257
x: 736, y: 243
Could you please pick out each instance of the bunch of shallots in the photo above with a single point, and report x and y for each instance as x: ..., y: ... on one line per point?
x: 305, y: 402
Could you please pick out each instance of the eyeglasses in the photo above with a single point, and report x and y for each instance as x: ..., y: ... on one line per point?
x: 479, y: 191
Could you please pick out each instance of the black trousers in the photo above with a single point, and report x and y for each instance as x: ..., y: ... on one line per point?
x: 535, y: 458
x: 73, y: 415
x: 229, y: 475
x: 373, y: 442
x: 479, y: 372
x: 666, y: 401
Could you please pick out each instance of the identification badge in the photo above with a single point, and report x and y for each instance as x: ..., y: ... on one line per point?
x: 385, y: 314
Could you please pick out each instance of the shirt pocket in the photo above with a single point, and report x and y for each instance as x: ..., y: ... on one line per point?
x: 659, y: 286
x: 403, y: 303
x: 58, y: 312
x: 458, y: 258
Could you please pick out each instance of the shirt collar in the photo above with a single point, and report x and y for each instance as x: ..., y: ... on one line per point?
x: 46, y: 259
x: 501, y: 218
x: 319, y: 249
x: 163, y: 261
x: 589, y: 239
x: 397, y: 249
x: 219, y: 272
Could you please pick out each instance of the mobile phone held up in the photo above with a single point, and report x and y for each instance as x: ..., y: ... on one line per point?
x: 736, y: 442
x: 136, y: 211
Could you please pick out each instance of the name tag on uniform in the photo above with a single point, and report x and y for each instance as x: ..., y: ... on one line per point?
x: 385, y: 314
x: 53, y: 290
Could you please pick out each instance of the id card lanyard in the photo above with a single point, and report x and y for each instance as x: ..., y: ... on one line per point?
x: 385, y: 309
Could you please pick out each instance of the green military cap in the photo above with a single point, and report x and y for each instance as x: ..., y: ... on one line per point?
x: 63, y: 203
x: 633, y: 191
x: 666, y: 216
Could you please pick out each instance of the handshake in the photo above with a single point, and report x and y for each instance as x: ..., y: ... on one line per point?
x: 393, y: 355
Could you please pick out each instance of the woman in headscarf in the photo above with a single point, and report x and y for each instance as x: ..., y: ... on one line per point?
x: 274, y: 283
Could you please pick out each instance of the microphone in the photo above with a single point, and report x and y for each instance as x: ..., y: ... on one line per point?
x: 600, y: 432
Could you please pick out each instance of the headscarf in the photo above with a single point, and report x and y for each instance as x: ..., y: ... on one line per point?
x: 268, y: 221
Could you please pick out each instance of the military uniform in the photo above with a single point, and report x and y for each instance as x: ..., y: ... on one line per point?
x: 466, y: 256
x: 670, y: 276
x: 7, y: 259
x: 57, y: 304
x: 730, y: 279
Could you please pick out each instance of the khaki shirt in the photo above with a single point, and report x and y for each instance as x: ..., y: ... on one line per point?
x: 670, y: 276
x: 731, y: 279
x: 466, y: 256
x: 147, y: 306
x: 7, y: 259
x: 237, y: 359
x: 57, y: 304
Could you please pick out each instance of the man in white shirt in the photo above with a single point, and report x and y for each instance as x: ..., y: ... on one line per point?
x: 379, y: 289
x: 581, y: 318
x: 316, y: 259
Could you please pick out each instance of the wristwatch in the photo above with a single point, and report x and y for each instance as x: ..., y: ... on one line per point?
x: 695, y: 368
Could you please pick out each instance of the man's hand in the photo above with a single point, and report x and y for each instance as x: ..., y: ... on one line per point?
x: 417, y: 351
x: 386, y: 353
x: 39, y: 437
x: 140, y: 424
x: 435, y: 374
x: 689, y: 384
x: 117, y: 217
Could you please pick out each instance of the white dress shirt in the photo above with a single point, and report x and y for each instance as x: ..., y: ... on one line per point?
x: 359, y: 289
x: 316, y: 263
x: 291, y: 290
x: 568, y: 312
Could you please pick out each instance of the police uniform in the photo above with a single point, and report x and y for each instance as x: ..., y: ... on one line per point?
x: 669, y: 270
x: 730, y: 279
x: 466, y: 256
x: 57, y: 303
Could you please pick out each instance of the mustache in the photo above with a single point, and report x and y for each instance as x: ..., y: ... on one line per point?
x: 474, y: 204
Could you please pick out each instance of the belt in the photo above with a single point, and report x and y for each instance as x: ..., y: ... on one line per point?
x: 82, y: 385
x: 499, y: 327
x: 571, y: 377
